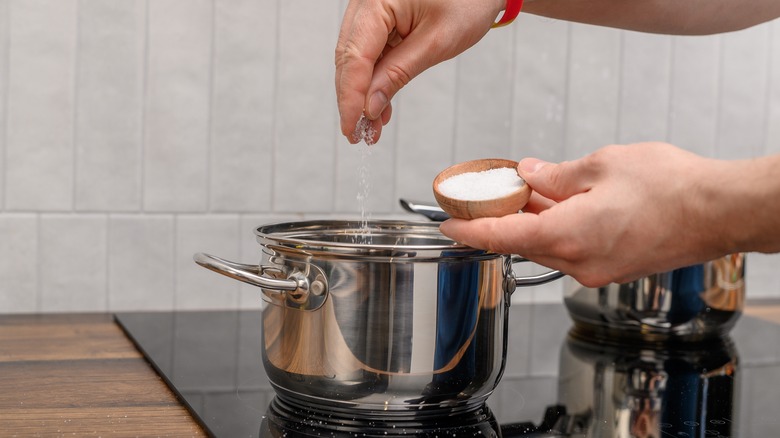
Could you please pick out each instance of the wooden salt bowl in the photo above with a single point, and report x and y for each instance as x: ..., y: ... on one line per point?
x: 496, y: 207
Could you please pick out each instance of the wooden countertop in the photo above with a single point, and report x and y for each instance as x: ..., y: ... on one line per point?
x: 78, y: 374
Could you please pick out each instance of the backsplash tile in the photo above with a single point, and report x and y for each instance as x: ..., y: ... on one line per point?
x: 761, y: 278
x: 539, y: 83
x: 242, y: 107
x: 644, y: 87
x: 772, y: 144
x: 593, y: 89
x: 197, y: 287
x: 176, y: 122
x: 140, y: 262
x: 72, y: 262
x: 424, y: 142
x: 19, y: 263
x: 694, y: 93
x: 483, y: 110
x: 109, y: 104
x: 306, y: 122
x: 134, y: 134
x: 4, y: 43
x: 743, y: 94
x: 39, y: 108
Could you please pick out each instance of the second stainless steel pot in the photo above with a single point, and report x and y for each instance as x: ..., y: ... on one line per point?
x: 694, y: 303
x: 387, y: 317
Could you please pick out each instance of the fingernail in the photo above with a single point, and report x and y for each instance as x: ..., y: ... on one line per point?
x: 531, y: 165
x: 376, y: 104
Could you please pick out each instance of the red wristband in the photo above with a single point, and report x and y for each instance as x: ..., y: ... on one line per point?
x: 510, y: 13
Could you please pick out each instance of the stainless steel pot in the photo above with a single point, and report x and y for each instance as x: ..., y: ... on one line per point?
x: 392, y: 317
x: 635, y: 391
x: 695, y: 303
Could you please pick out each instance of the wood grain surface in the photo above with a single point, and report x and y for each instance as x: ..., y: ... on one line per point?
x: 79, y: 375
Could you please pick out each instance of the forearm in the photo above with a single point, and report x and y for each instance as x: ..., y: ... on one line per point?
x: 745, y: 200
x: 679, y: 17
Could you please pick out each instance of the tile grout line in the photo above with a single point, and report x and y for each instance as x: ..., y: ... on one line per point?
x: 621, y: 80
x: 566, y: 93
x: 671, y: 88
x: 144, y: 85
x: 4, y: 82
x: 74, y: 136
x: 175, y: 267
x: 275, y: 108
x: 210, y: 125
x: 107, y: 268
x: 38, y: 262
x: 715, y: 148
x: 769, y: 88
x: 511, y: 110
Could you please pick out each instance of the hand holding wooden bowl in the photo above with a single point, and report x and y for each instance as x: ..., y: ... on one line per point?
x: 481, y: 188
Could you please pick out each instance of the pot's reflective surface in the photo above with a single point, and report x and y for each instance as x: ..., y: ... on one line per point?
x: 689, y: 304
x: 382, y: 315
x: 391, y: 335
x: 640, y: 391
x: 286, y: 419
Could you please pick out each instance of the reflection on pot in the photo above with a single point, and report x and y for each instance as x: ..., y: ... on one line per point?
x: 392, y: 334
x: 287, y: 418
x: 410, y: 320
x: 694, y: 303
x: 640, y: 391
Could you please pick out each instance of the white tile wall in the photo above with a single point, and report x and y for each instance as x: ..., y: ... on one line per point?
x: 133, y: 134
x: 176, y: 123
x: 424, y: 113
x: 4, y: 34
x: 141, y: 254
x: 307, y: 124
x: 242, y: 108
x: 644, y: 93
x: 72, y: 262
x: 483, y: 106
x: 40, y: 105
x: 593, y: 89
x: 19, y: 263
x: 772, y: 144
x: 743, y: 94
x: 693, y: 104
x: 109, y: 99
x: 539, y: 84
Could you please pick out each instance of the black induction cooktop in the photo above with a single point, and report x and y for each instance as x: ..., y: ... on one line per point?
x: 556, y: 383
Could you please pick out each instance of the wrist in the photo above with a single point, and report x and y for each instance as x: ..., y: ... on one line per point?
x: 745, y: 212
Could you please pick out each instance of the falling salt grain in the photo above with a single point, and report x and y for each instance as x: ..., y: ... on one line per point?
x: 479, y: 186
x: 364, y: 131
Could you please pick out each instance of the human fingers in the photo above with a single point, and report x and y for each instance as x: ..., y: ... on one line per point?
x: 386, y: 114
x: 426, y: 34
x: 522, y: 233
x: 557, y: 181
x: 537, y: 203
x: 363, y: 36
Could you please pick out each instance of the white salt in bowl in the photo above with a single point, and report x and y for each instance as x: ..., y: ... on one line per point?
x: 481, y: 188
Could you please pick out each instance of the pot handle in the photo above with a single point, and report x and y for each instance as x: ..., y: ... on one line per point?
x: 534, y: 280
x: 300, y: 290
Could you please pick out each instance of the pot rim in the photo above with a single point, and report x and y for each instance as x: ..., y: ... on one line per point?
x: 346, y: 235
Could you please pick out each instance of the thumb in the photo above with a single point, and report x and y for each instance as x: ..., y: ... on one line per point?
x: 395, y: 69
x: 553, y: 181
x: 436, y: 35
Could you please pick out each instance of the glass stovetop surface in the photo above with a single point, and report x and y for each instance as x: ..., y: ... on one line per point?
x: 554, y: 384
